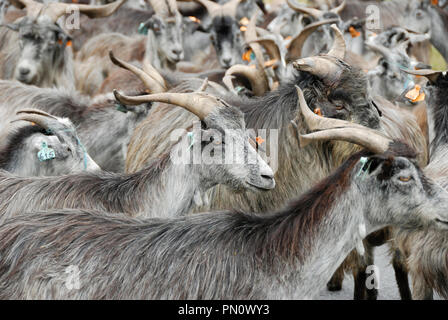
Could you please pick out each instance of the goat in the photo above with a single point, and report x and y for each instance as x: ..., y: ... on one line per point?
x: 104, y: 131
x: 223, y: 255
x: 168, y: 186
x: 162, y: 47
x: 39, y: 52
x: 422, y: 253
x: 423, y: 17
x: 21, y: 153
x: 224, y: 31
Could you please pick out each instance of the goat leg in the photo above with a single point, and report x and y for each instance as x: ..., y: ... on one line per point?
x: 401, y: 275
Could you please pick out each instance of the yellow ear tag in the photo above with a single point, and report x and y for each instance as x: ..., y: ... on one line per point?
x: 243, y: 28
x: 415, y: 95
x: 353, y: 32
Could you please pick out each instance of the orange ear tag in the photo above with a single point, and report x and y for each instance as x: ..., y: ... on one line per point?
x: 318, y: 112
x: 243, y: 28
x: 244, y: 21
x: 247, y: 55
x: 194, y: 19
x: 353, y: 32
x: 415, y: 95
x: 259, y: 140
x: 435, y: 2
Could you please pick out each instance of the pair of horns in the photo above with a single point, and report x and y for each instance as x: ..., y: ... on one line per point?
x: 316, y: 13
x: 150, y: 77
x: 325, y: 66
x: 214, y: 9
x: 55, y: 10
x: 336, y: 129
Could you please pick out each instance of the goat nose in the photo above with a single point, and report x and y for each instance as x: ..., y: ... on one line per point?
x: 177, y: 52
x: 24, y: 71
x: 227, y: 61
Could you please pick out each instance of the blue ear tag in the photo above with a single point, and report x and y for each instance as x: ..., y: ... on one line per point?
x: 142, y: 29
x: 364, y: 167
x: 191, y: 136
x: 121, y: 108
x: 252, y: 56
x: 45, y: 153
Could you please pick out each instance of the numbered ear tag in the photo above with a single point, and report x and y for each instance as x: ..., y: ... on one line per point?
x: 45, y: 153
x: 142, y: 29
x: 121, y: 108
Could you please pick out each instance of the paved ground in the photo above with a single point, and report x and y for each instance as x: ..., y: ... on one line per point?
x: 388, y: 289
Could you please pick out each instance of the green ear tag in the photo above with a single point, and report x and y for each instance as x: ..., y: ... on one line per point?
x: 142, y: 29
x: 45, y: 153
x: 121, y: 108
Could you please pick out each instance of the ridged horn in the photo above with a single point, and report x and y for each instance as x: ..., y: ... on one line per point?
x: 339, y: 8
x: 430, y: 74
x: 316, y: 13
x: 255, y: 76
x: 198, y: 103
x: 150, y: 82
x: 296, y: 44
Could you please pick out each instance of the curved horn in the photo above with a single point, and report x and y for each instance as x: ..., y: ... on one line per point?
x: 40, y: 120
x: 385, y: 52
x: 55, y: 10
x: 296, y: 44
x: 315, y: 122
x: 320, y: 66
x: 150, y: 83
x: 256, y: 78
x: 198, y: 103
x: 36, y: 111
x: 250, y: 35
x: 336, y: 129
x: 316, y: 13
x: 339, y: 8
x: 430, y: 74
x: 271, y: 47
x: 338, y: 48
x: 369, y: 139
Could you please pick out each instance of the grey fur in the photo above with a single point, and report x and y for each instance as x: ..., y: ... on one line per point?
x: 222, y: 255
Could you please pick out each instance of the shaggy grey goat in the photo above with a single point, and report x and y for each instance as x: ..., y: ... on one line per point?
x: 23, y: 153
x: 224, y: 255
x: 169, y: 185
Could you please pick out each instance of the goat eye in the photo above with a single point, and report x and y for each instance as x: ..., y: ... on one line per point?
x: 69, y: 149
x: 340, y: 107
x: 404, y: 179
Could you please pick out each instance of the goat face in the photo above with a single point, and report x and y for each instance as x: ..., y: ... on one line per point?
x: 288, y: 22
x: 227, y: 40
x: 168, y: 35
x: 229, y: 153
x: 411, y: 198
x: 417, y: 17
x: 42, y: 46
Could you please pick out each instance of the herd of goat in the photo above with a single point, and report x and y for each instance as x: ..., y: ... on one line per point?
x: 330, y: 110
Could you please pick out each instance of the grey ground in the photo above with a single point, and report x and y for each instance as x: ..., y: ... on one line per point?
x: 388, y: 289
